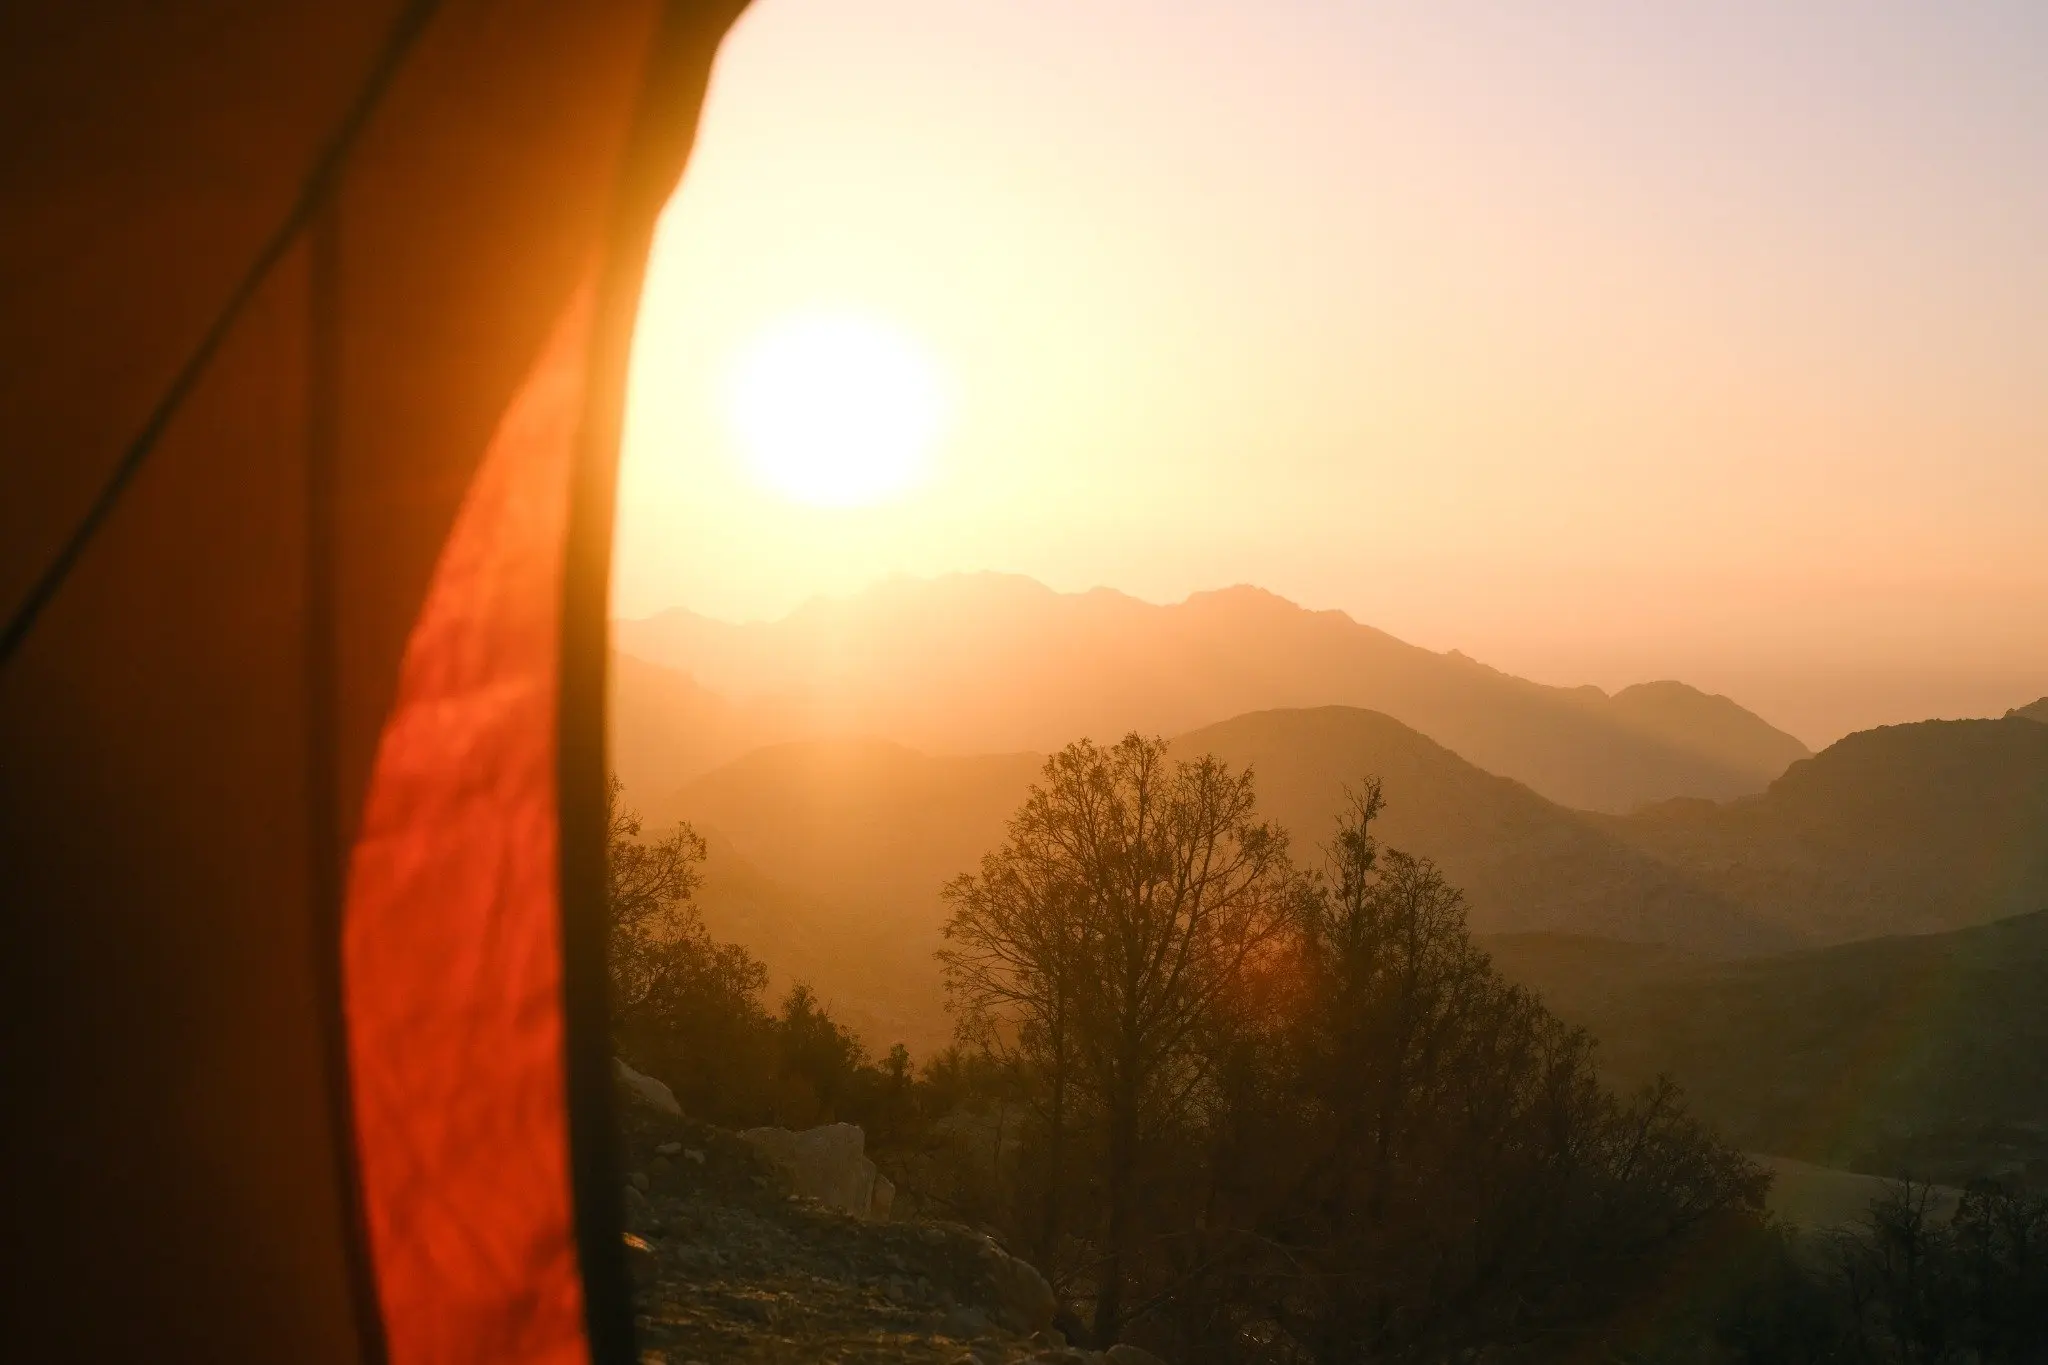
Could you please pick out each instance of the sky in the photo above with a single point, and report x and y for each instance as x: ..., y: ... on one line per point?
x: 1603, y: 341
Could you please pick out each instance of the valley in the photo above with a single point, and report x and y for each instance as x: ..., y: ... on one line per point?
x: 1841, y: 960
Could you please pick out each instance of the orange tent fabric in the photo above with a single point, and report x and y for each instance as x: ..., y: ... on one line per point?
x: 312, y: 334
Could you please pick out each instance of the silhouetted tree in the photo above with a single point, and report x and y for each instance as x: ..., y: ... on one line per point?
x: 819, y: 1059
x: 1443, y: 1169
x: 1106, y: 944
x: 650, y: 908
x: 685, y: 1007
x: 1013, y: 970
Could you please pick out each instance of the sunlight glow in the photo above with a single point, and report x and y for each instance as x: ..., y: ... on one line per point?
x: 836, y: 410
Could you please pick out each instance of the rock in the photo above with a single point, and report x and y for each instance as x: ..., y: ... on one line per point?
x: 639, y: 1181
x: 1024, y: 1301
x: 667, y: 1148
x: 1123, y: 1353
x: 964, y: 1324
x: 827, y: 1164
x: 641, y: 1261
x: 635, y: 1200
x: 694, y: 1154
x: 646, y: 1089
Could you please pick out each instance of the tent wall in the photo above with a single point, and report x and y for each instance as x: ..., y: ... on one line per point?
x: 190, y: 726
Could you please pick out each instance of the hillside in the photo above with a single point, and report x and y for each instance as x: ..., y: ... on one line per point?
x: 1905, y: 829
x: 1523, y: 862
x: 996, y: 663
x: 856, y: 837
x: 827, y: 855
x: 866, y: 822
x: 667, y: 727
x: 2034, y: 710
x: 1923, y: 1055
x: 875, y: 979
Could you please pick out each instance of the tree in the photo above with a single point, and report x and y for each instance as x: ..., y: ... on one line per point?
x: 649, y: 903
x: 1012, y: 972
x: 1443, y: 1169
x: 1108, y: 943
x: 819, y: 1059
x: 686, y: 1008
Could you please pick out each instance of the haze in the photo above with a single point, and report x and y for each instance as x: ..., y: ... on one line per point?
x: 1612, y: 344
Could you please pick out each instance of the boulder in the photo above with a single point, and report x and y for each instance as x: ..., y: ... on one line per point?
x: 1024, y: 1301
x: 641, y: 1262
x: 828, y: 1164
x: 646, y: 1089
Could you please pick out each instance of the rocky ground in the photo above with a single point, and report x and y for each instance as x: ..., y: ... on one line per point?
x: 728, y: 1266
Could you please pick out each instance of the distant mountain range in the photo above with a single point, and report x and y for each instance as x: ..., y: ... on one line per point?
x: 991, y: 663
x: 1923, y: 1056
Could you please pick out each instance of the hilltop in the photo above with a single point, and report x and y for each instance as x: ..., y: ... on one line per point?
x: 1903, y: 829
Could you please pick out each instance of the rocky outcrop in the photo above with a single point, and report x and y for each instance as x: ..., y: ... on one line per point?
x: 828, y: 1164
x: 646, y: 1089
x: 1024, y: 1301
x: 729, y: 1264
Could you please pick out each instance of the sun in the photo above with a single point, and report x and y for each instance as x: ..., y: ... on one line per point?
x: 836, y: 410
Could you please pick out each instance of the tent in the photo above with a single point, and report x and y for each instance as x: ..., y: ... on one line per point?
x: 313, y: 322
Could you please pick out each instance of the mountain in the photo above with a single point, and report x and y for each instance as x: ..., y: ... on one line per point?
x: 1904, y: 829
x: 668, y: 727
x: 1708, y: 726
x: 2037, y: 710
x: 1903, y: 1055
x: 857, y: 836
x: 1522, y: 862
x: 981, y: 663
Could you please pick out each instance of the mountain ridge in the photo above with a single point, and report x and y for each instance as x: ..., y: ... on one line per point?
x: 978, y: 663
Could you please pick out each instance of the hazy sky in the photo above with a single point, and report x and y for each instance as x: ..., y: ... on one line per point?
x: 1605, y: 342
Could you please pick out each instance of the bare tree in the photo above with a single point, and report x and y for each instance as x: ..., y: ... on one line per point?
x: 1110, y: 939
x: 1011, y: 972
x: 1456, y: 1174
